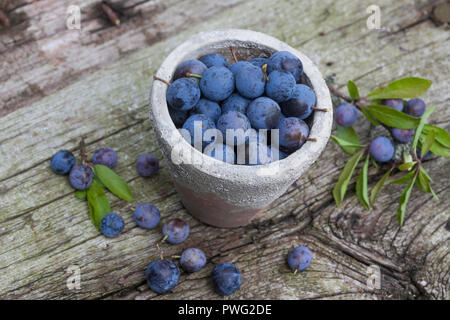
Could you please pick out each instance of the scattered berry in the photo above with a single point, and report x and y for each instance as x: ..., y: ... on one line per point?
x: 147, y: 165
x: 217, y: 83
x: 235, y: 102
x: 208, y: 108
x: 162, y: 276
x: 286, y: 61
x: 300, y: 103
x: 106, y: 157
x: 280, y: 86
x: 215, y: 60
x: 183, y: 94
x: 175, y: 231
x: 189, y: 66
x: 346, y: 115
x: 146, y: 215
x: 81, y: 176
x: 263, y: 113
x: 396, y: 104
x: 111, y: 225
x: 299, y: 259
x: 192, y: 260
x: 415, y: 107
x: 382, y: 149
x: 250, y: 81
x: 62, y: 162
x: 236, y: 124
x: 226, y: 278
x: 203, y: 123
x: 292, y: 133
x: 403, y: 135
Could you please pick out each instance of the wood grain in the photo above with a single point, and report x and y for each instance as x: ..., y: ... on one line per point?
x: 59, y: 85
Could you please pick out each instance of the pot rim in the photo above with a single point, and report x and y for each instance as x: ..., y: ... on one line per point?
x: 165, y: 129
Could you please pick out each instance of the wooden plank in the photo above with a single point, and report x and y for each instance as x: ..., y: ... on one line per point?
x: 44, y: 228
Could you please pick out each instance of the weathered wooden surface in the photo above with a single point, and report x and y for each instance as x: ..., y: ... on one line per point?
x: 58, y: 85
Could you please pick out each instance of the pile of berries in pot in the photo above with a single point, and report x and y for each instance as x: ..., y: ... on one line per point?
x: 247, y: 113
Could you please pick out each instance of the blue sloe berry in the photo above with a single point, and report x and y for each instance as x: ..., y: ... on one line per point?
x: 220, y: 152
x: 217, y: 83
x: 346, y: 115
x: 382, y: 149
x: 111, y: 225
x: 293, y: 131
x: 403, y: 135
x: 237, y: 66
x: 203, y: 123
x: 286, y: 61
x: 250, y: 81
x: 62, y: 162
x: 183, y: 94
x: 178, y: 117
x: 175, y: 231
x: 259, y: 62
x: 146, y: 215
x: 208, y: 108
x: 299, y: 259
x: 263, y: 113
x: 226, y: 278
x: 105, y: 156
x: 162, y: 276
x: 81, y: 176
x: 192, y: 260
x: 214, y: 60
x: 235, y: 123
x: 415, y: 107
x: 300, y: 103
x: 396, y: 104
x: 280, y: 86
x: 235, y: 102
x: 189, y: 66
x: 147, y: 165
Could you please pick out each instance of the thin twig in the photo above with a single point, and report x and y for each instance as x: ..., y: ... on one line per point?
x: 233, y: 53
x: 112, y: 16
x: 162, y: 80
x: 4, y: 19
x: 319, y: 109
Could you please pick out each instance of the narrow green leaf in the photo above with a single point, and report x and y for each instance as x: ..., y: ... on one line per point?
x: 348, y: 134
x: 436, y: 147
x: 378, y: 186
x: 98, y: 203
x: 407, y: 166
x: 403, y: 179
x: 340, y: 188
x: 361, y: 185
x: 369, y: 116
x: 352, y: 90
x: 393, y: 118
x: 441, y: 135
x: 80, y: 194
x: 113, y: 182
x: 403, y: 88
x: 425, y: 173
x: 426, y: 145
x: 404, y: 201
x: 419, y: 128
x: 424, y: 182
x: 346, y: 145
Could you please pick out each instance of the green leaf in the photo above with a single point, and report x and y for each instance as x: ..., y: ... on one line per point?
x: 424, y: 182
x: 80, y: 194
x: 441, y: 135
x: 379, y: 185
x: 426, y: 145
x: 404, y: 200
x: 419, y: 128
x: 393, y: 118
x: 407, y: 166
x: 352, y: 90
x: 404, y: 179
x: 98, y: 203
x: 369, y: 117
x: 346, y: 145
x: 340, y: 188
x: 113, y: 182
x: 348, y: 134
x: 361, y: 185
x: 439, y: 150
x: 403, y: 88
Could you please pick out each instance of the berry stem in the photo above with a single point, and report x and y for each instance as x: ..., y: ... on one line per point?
x: 307, y: 139
x: 83, y: 155
x: 188, y: 74
x: 162, y: 80
x: 176, y: 257
x: 319, y: 109
x: 295, y: 272
x: 112, y: 16
x: 233, y: 53
x: 160, y: 251
x: 164, y: 238
x: 264, y: 70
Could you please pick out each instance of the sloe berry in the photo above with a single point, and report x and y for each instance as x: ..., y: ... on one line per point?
x: 192, y: 260
x: 263, y: 113
x: 208, y: 108
x: 346, y: 115
x: 62, y: 162
x: 81, y: 176
x: 105, y: 156
x: 111, y: 225
x: 235, y: 102
x: 217, y: 83
x: 183, y: 94
x: 204, y: 123
x: 299, y: 259
x: 162, y: 276
x: 147, y: 165
x: 226, y: 278
x: 214, y: 60
x: 292, y: 133
x: 236, y: 124
x: 382, y: 149
x: 415, y: 107
x: 280, y: 86
x: 175, y: 231
x: 300, y: 103
x: 146, y: 215
x: 403, y: 135
x: 189, y: 66
x: 286, y: 61
x: 250, y: 81
x: 396, y: 104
